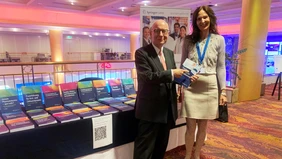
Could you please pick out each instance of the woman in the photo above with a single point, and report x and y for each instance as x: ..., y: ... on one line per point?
x: 180, y: 40
x: 207, y: 48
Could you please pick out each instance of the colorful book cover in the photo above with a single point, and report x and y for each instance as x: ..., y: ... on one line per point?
x: 105, y: 109
x: 121, y: 107
x: 74, y: 106
x: 109, y: 100
x: 115, y: 88
x: 131, y: 102
x: 123, y: 99
x: 9, y: 116
x: 132, y: 96
x: 46, y: 120
x: 100, y: 89
x: 54, y: 108
x: 60, y: 110
x: 128, y: 86
x: 51, y: 95
x: 86, y: 113
x: 94, y: 104
x: 9, y: 102
x: 32, y: 97
x: 3, y: 129
x: 65, y: 116
x: 36, y: 113
x: 20, y: 125
x: 86, y: 91
x: 69, y: 92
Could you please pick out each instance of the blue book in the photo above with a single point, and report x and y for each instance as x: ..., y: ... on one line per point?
x: 32, y: 97
x: 121, y: 106
x: 123, y: 99
x: 9, y: 102
x: 51, y: 95
x: 115, y: 88
x: 192, y: 69
x: 128, y: 86
x: 86, y: 91
x: 109, y: 100
x: 74, y: 106
x: 69, y: 92
x: 45, y: 120
x: 100, y: 107
x: 65, y: 116
x: 100, y: 89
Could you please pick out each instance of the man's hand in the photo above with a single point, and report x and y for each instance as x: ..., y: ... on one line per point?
x: 178, y: 72
x: 194, y: 78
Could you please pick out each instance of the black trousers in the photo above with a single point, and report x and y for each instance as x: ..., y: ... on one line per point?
x: 152, y: 139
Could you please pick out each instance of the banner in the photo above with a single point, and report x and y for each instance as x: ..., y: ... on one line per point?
x: 173, y: 16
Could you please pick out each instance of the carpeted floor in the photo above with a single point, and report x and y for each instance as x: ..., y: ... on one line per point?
x: 254, y: 131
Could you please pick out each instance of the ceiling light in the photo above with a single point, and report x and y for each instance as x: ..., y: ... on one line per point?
x: 145, y: 4
x: 117, y: 34
x: 107, y: 34
x: 215, y: 4
x: 46, y: 31
x: 72, y: 32
x: 96, y: 34
x: 84, y: 33
x: 15, y: 29
x: 122, y: 10
x: 90, y: 36
x: 123, y: 37
x: 72, y: 3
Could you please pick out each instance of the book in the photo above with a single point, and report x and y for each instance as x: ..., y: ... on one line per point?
x: 3, y: 129
x: 121, y: 106
x: 133, y: 96
x: 109, y: 100
x: 115, y: 88
x: 100, y: 107
x: 86, y: 91
x: 59, y: 110
x: 74, y: 106
x: 16, y: 125
x: 69, y: 92
x: 123, y: 99
x: 131, y: 102
x: 54, y: 108
x: 65, y: 116
x: 14, y: 115
x: 1, y: 120
x: 9, y: 102
x: 32, y: 97
x: 192, y: 68
x: 128, y: 87
x: 51, y: 94
x: 86, y: 113
x: 100, y: 89
x: 44, y: 120
x: 36, y: 113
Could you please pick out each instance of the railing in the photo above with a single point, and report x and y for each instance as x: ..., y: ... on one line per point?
x: 81, y: 56
x: 14, y: 74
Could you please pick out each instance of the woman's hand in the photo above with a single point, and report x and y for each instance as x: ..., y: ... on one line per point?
x: 194, y: 78
x: 223, y: 99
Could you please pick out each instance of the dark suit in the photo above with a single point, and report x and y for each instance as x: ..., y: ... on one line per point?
x: 174, y: 35
x: 156, y: 103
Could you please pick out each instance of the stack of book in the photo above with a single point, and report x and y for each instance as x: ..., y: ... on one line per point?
x: 3, y: 128
x: 82, y: 110
x: 102, y: 108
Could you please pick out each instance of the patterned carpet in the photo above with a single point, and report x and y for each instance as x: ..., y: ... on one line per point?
x: 254, y: 131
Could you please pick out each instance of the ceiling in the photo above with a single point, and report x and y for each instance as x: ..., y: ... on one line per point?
x: 227, y: 11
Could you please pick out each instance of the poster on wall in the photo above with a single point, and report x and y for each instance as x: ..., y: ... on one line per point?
x: 178, y: 20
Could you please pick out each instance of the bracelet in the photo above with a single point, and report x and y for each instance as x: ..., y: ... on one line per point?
x: 223, y: 93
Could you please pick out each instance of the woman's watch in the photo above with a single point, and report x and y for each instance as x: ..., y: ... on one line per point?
x: 223, y: 94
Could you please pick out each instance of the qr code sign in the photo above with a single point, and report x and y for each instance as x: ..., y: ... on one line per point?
x: 100, y: 133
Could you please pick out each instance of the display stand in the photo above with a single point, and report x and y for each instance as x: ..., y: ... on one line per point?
x: 278, y: 81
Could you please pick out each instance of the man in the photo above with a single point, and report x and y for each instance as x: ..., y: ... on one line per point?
x: 156, y: 103
x: 146, y: 36
x: 175, y: 35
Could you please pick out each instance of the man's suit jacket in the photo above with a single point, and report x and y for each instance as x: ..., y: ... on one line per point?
x: 174, y: 36
x: 156, y: 91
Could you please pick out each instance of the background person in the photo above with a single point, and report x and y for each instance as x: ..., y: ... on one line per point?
x: 146, y: 36
x: 201, y: 98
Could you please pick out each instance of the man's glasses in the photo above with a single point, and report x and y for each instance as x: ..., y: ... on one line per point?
x: 158, y: 31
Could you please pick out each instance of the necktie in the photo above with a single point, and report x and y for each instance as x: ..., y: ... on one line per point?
x: 162, y: 60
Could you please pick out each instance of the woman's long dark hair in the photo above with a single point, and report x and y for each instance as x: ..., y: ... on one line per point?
x: 195, y: 36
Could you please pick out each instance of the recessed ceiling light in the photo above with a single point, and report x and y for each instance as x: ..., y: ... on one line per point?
x: 72, y: 32
x: 46, y: 31
x: 117, y: 34
x: 122, y: 9
x: 84, y: 33
x: 215, y: 4
x: 123, y: 37
x: 72, y: 3
x: 90, y: 36
x: 15, y: 29
x: 96, y: 33
x: 107, y: 34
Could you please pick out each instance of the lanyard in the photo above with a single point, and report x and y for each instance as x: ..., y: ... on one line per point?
x: 202, y: 56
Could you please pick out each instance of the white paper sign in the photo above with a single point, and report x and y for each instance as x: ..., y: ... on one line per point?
x: 102, y: 131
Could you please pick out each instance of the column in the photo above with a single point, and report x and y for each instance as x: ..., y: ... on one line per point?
x: 253, y: 33
x: 134, y: 45
x: 56, y: 46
